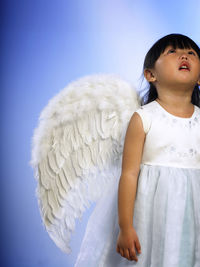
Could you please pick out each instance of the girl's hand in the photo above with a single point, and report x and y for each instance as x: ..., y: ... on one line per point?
x: 128, y: 243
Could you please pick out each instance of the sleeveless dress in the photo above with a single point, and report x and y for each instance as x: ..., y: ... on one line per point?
x: 167, y: 204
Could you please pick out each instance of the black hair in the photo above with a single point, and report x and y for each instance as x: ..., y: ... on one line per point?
x: 176, y: 41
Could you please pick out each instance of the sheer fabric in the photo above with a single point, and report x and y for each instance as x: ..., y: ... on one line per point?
x: 166, y: 211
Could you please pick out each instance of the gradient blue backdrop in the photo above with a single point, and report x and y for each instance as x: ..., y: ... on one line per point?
x: 45, y: 45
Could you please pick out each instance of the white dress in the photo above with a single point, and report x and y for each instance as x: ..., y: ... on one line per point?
x: 167, y: 204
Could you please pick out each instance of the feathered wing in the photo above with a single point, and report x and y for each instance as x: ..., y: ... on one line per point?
x: 77, y: 147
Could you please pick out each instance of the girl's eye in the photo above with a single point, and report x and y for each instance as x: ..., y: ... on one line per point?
x: 191, y: 53
x: 171, y: 51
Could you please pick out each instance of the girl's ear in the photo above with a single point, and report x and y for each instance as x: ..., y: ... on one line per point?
x: 148, y: 74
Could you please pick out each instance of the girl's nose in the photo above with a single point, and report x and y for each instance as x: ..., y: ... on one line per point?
x: 184, y: 56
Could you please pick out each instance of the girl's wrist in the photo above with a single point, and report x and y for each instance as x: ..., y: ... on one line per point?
x: 126, y: 228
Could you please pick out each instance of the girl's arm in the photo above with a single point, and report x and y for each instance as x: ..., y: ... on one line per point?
x: 132, y: 155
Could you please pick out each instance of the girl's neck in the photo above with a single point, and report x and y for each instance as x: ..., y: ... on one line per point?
x: 177, y: 105
x: 176, y: 98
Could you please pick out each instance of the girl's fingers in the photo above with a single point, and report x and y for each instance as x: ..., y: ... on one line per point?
x: 121, y: 252
x: 126, y: 254
x: 137, y: 245
x: 133, y: 254
x: 130, y: 253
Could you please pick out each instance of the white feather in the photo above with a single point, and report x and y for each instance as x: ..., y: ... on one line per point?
x: 77, y: 148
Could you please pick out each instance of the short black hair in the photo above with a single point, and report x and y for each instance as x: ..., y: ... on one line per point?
x: 176, y: 41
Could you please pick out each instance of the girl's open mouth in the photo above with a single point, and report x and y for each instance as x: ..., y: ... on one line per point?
x: 184, y: 66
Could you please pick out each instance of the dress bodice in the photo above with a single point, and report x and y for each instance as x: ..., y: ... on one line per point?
x: 170, y: 140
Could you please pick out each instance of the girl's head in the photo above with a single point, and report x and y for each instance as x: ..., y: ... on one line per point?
x: 176, y: 41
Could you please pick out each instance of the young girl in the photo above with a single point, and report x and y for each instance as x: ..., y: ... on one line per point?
x: 159, y: 189
x: 164, y: 136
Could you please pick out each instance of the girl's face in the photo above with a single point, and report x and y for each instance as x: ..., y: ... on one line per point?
x: 177, y: 66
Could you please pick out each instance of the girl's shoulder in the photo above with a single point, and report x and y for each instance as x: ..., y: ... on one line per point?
x: 146, y: 112
x: 150, y: 107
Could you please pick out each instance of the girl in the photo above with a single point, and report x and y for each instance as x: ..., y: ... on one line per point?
x: 161, y: 163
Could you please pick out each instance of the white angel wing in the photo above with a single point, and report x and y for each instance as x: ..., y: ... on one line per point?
x: 78, y: 142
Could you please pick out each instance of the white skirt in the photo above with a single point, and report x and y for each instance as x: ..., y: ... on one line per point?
x: 166, y: 219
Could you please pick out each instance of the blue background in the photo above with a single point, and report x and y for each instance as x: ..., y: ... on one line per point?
x: 45, y: 45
